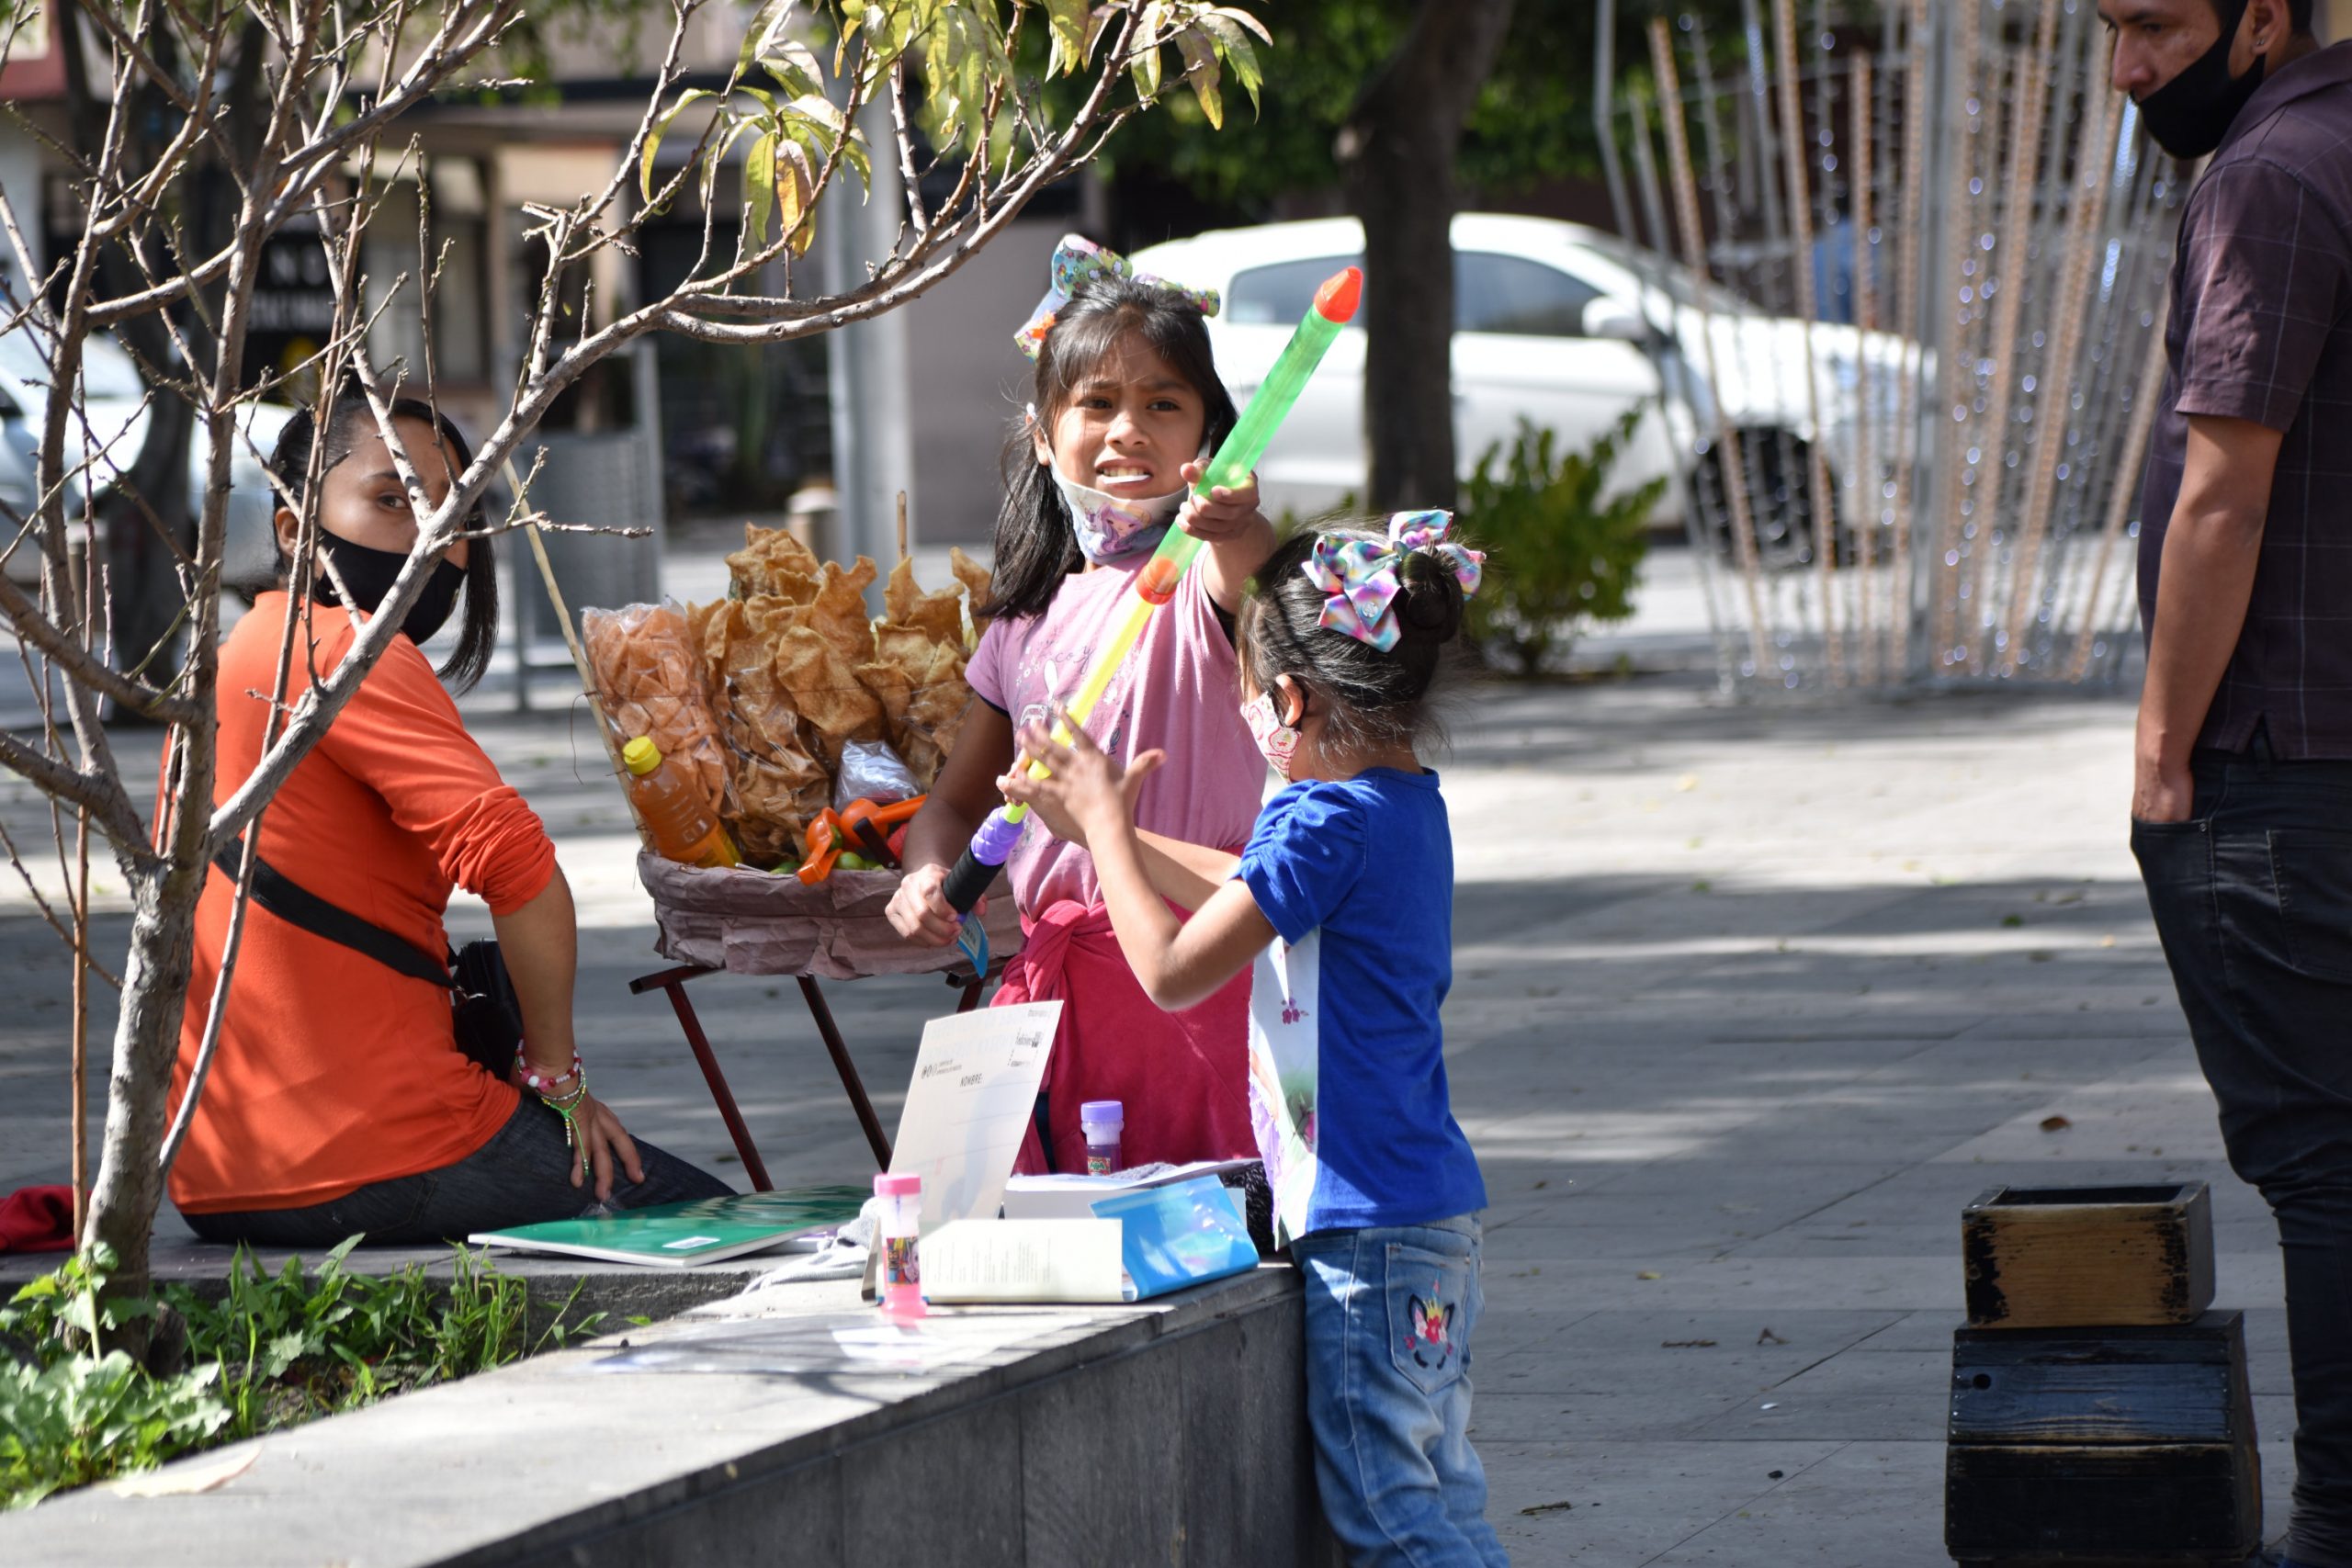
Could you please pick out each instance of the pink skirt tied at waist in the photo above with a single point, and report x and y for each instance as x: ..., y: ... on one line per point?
x: 1183, y: 1077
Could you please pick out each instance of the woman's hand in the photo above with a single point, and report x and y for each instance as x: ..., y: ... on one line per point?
x: 921, y: 913
x: 1086, y: 792
x: 1222, y: 514
x: 600, y: 1145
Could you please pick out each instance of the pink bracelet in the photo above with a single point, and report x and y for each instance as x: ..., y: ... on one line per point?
x: 538, y: 1082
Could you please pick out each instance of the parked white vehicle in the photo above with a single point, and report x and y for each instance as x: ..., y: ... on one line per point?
x: 111, y: 423
x: 1557, y: 323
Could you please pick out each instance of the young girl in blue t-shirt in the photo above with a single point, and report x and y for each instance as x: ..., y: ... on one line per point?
x: 1344, y: 902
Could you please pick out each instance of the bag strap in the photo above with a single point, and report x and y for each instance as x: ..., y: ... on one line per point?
x: 301, y: 907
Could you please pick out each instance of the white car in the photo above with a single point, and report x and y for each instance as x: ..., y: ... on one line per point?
x: 111, y: 423
x: 1561, y: 324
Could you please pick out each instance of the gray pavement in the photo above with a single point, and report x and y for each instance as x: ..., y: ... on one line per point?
x: 1749, y: 1003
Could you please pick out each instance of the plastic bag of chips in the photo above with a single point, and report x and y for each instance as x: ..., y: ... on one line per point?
x: 649, y: 675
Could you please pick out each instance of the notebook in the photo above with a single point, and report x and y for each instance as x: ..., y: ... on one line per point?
x: 677, y: 1236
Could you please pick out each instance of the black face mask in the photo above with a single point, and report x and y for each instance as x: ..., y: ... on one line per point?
x: 2190, y: 114
x: 368, y: 574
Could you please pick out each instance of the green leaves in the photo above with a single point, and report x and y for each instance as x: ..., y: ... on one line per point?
x: 780, y: 120
x: 84, y: 1418
x: 1210, y: 39
x: 1559, y: 554
x: 662, y: 127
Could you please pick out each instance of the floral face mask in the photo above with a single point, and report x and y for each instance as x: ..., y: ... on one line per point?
x: 1276, y: 742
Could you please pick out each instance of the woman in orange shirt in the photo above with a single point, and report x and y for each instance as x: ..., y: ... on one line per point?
x: 338, y: 1100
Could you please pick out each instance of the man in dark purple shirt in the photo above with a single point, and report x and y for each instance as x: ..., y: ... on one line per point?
x: 2242, y: 788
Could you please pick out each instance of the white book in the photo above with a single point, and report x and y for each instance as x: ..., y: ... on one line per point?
x: 1025, y: 1261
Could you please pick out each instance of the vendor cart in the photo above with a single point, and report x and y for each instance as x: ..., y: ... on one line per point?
x: 752, y: 922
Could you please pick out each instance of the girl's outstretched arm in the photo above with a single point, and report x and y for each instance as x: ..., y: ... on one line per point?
x: 1183, y: 874
x: 1178, y: 962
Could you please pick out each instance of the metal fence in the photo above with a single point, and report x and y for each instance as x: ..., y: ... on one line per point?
x: 1917, y: 382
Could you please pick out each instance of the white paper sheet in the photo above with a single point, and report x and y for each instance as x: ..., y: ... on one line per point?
x: 973, y: 1091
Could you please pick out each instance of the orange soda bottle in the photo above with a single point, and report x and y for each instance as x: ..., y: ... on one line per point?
x: 685, y: 827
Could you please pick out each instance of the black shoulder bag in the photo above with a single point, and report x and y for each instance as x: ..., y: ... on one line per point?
x: 484, y: 1013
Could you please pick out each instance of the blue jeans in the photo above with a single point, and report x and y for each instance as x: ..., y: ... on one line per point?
x: 1390, y: 1310
x: 2253, y: 898
x: 521, y: 1177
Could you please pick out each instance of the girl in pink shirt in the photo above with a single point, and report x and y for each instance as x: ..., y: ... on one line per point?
x: 1127, y: 407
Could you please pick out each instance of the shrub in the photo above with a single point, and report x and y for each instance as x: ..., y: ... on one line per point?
x: 1559, y: 556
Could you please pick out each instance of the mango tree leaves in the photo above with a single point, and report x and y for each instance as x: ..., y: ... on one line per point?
x: 957, y: 60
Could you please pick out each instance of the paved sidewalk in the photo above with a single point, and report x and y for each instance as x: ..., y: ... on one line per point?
x: 1749, y: 1003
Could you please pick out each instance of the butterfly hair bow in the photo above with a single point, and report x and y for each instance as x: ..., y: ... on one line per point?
x: 1075, y: 260
x: 1359, y: 579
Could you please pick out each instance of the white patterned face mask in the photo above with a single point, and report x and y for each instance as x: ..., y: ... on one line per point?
x: 1276, y: 742
x: 1113, y: 527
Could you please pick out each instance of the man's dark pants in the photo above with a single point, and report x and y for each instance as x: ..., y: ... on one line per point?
x: 2253, y: 899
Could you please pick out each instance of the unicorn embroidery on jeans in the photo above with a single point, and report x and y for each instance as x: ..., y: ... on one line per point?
x: 1430, y: 1335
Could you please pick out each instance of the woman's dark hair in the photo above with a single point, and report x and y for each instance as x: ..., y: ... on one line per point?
x: 290, y: 463
x: 1035, y: 546
x: 1367, y: 698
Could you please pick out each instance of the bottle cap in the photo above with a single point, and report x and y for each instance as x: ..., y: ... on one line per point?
x: 641, y: 755
x: 1101, y: 1113
x: 886, y: 1186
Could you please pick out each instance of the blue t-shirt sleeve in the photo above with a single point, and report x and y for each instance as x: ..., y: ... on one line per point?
x: 1306, y: 856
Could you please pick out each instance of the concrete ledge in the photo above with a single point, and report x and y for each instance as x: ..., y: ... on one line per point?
x: 1173, y: 1431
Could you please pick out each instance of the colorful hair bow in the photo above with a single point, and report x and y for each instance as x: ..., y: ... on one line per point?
x: 1359, y: 580
x: 1075, y: 259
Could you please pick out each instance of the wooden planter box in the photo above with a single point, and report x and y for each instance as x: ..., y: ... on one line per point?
x: 2102, y: 1446
x: 2105, y: 1256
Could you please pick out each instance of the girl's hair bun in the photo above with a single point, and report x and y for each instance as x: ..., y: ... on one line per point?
x: 1429, y: 607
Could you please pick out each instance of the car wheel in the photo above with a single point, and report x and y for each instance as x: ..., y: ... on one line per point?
x: 1776, y: 471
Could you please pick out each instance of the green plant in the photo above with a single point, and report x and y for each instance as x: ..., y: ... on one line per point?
x: 83, y: 1418
x: 1559, y: 555
x: 272, y: 1350
x: 70, y: 1415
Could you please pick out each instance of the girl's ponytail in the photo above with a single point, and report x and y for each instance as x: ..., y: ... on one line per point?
x: 1429, y: 607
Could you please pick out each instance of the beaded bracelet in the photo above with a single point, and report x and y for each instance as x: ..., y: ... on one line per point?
x: 568, y: 1105
x: 538, y: 1082
x: 563, y: 1105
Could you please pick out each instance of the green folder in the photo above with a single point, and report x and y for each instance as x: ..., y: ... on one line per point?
x: 673, y: 1236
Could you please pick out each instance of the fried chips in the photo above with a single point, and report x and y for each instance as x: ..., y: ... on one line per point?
x: 762, y: 688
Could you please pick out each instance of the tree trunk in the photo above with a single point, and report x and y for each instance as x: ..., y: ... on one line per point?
x: 1395, y: 156
x: 146, y: 1038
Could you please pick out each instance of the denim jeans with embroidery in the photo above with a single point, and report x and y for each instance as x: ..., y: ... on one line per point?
x: 1390, y: 1312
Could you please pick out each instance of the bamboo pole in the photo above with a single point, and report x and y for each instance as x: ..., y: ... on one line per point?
x: 2013, y: 248
x: 1958, y: 372
x: 79, y: 1056
x: 1906, y: 453
x: 1731, y: 462
x: 2119, y: 506
x: 1865, y: 126
x: 1675, y: 379
x: 1824, y: 518
x: 2057, y: 383
x: 578, y: 664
